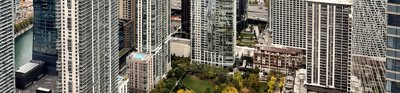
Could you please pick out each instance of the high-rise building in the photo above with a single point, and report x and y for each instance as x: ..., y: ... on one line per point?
x: 185, y: 4
x: 7, y: 69
x: 126, y: 9
x: 213, y: 32
x: 17, y: 6
x: 328, y: 44
x: 241, y: 14
x: 88, y: 46
x: 287, y: 22
x: 140, y: 72
x: 127, y: 34
x: 45, y: 33
x: 127, y: 16
x: 368, y: 44
x: 393, y: 47
x: 153, y: 21
x: 122, y: 84
x: 345, y: 38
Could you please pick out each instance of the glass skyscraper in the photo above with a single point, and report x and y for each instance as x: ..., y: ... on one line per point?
x: 7, y: 68
x: 213, y: 32
x: 45, y: 33
x: 393, y: 47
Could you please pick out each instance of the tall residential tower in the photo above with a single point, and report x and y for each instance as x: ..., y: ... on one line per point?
x: 393, y: 47
x: 368, y: 44
x: 345, y: 43
x: 45, y: 29
x: 153, y: 34
x: 328, y: 40
x: 7, y: 68
x: 127, y: 16
x: 88, y: 46
x: 213, y: 32
x: 287, y: 22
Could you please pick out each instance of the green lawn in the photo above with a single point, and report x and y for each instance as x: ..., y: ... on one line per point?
x: 246, y: 39
x: 263, y: 87
x: 197, y: 85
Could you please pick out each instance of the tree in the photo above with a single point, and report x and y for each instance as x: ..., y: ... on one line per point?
x: 180, y: 91
x: 169, y: 83
x: 271, y: 84
x: 208, y: 90
x: 230, y: 89
x: 184, y: 91
x: 255, y: 71
x: 238, y: 78
x: 281, y: 82
x: 253, y: 80
x: 217, y: 89
x: 246, y: 90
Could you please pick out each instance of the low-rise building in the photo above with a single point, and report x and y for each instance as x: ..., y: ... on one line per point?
x: 140, y: 72
x: 180, y: 47
x: 278, y: 58
x: 289, y: 85
x: 29, y: 73
x: 122, y: 84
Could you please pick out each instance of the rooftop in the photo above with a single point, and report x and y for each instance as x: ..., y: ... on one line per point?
x: 279, y: 49
x: 44, y: 89
x: 344, y: 2
x: 121, y: 78
x: 26, y: 67
x: 46, y: 82
x: 139, y: 57
x: 180, y: 40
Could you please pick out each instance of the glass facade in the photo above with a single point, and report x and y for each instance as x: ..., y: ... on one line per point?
x: 45, y: 33
x: 393, y: 47
x: 394, y: 1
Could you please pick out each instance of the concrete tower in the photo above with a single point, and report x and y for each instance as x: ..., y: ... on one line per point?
x: 7, y: 66
x: 88, y: 46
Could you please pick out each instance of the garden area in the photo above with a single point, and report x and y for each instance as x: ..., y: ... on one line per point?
x: 196, y: 84
x: 248, y: 39
x: 197, y: 78
x: 24, y: 23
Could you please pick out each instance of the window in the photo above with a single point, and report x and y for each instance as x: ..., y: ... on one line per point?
x: 393, y: 31
x: 394, y: 65
x: 393, y: 42
x: 394, y: 8
x: 394, y: 20
x: 394, y: 1
x: 393, y: 87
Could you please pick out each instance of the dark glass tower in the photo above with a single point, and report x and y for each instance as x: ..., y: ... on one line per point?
x: 186, y: 16
x: 45, y: 33
x: 393, y: 47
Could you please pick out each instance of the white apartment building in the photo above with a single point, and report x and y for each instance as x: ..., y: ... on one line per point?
x: 328, y: 44
x: 287, y: 22
x: 122, y: 84
x: 88, y: 46
x: 345, y: 38
x: 153, y: 21
x: 7, y: 69
x: 140, y: 72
